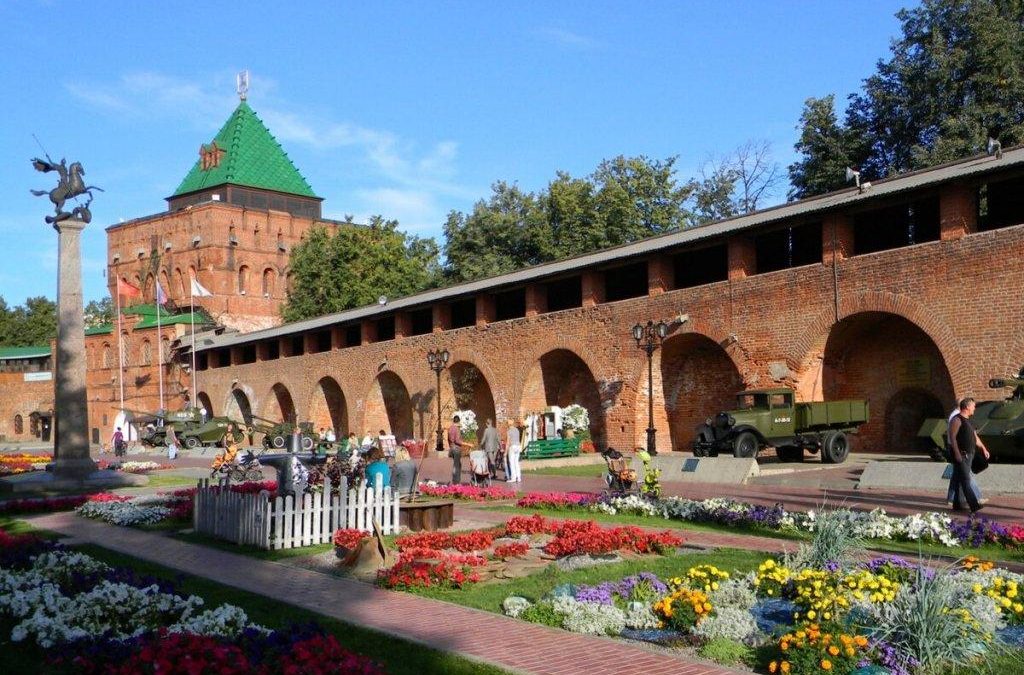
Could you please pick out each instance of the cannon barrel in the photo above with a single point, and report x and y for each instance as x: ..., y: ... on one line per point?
x: 1000, y: 382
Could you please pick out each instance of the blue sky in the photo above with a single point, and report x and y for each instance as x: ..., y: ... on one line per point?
x: 407, y: 109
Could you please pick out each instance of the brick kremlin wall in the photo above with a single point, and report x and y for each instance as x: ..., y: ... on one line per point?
x: 913, y: 328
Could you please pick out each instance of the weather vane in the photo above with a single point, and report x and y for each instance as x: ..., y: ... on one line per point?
x: 242, y: 84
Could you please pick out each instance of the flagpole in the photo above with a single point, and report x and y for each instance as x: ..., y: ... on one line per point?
x: 120, y: 346
x: 192, y: 316
x: 159, y: 350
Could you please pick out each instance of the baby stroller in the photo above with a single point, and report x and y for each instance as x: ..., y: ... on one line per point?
x: 619, y: 477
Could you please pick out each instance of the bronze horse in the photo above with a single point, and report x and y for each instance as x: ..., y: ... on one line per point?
x: 70, y: 186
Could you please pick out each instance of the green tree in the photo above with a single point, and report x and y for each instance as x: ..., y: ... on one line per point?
x: 501, y: 234
x: 623, y: 200
x: 826, y: 147
x: 29, y: 325
x: 99, y: 312
x: 954, y: 77
x: 355, y: 265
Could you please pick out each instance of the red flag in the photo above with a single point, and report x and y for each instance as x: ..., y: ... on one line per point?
x: 127, y: 290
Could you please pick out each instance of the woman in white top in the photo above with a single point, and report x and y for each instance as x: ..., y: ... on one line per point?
x: 514, y: 446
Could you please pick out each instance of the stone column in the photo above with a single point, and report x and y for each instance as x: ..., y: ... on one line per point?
x: 71, y: 420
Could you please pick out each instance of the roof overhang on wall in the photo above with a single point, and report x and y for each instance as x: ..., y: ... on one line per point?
x: 971, y: 169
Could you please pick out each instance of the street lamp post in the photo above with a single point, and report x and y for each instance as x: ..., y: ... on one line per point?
x: 438, y: 359
x: 648, y: 337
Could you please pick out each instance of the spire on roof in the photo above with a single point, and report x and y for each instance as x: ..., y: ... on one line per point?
x: 242, y: 84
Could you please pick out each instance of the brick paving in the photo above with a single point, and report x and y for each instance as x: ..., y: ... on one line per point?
x: 514, y: 645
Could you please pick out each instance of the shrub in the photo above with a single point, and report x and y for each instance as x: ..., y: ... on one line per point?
x: 727, y: 622
x: 514, y: 606
x: 543, y: 613
x: 736, y: 593
x: 591, y: 618
x: 724, y: 650
x: 921, y: 627
x: 834, y: 541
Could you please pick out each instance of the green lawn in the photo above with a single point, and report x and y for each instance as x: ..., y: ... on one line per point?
x: 987, y: 552
x: 489, y: 595
x: 164, y: 480
x: 584, y: 471
x: 252, y: 551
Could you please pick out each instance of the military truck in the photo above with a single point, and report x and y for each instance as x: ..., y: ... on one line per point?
x: 1000, y: 423
x: 188, y: 424
x: 767, y: 418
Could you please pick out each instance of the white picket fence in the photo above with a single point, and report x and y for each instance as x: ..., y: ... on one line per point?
x: 287, y: 522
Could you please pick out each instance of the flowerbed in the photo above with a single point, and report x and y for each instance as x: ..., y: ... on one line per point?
x: 430, y: 559
x: 876, y: 524
x: 138, y: 467
x: 22, y: 462
x: 44, y: 505
x: 467, y: 492
x: 150, y: 509
x: 888, y: 614
x: 93, y: 618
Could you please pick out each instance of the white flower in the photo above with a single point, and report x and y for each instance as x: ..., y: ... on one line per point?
x: 592, y: 618
x: 515, y: 605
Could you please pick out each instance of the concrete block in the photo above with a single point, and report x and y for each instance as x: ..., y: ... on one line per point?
x: 724, y: 470
x: 934, y: 477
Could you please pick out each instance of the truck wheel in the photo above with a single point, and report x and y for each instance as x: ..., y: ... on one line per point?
x: 835, y: 448
x: 790, y: 453
x: 277, y: 442
x: 745, y: 445
x: 307, y: 443
x: 191, y: 442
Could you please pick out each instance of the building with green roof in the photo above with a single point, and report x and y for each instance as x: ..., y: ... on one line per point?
x: 245, y: 165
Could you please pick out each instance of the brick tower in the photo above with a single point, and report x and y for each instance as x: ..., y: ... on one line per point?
x: 231, y: 225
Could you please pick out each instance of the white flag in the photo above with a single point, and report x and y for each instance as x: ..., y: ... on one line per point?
x: 199, y: 291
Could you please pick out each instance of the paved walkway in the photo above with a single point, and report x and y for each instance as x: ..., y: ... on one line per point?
x: 514, y: 645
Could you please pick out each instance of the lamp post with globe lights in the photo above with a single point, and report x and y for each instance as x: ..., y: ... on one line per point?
x: 648, y: 337
x: 437, y: 359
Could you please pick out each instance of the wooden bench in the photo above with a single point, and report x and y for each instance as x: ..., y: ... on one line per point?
x: 558, y: 447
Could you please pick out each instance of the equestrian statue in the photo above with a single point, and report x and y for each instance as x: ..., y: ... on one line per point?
x: 70, y: 186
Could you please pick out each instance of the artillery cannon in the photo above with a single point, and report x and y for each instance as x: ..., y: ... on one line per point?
x: 999, y: 423
x: 277, y: 434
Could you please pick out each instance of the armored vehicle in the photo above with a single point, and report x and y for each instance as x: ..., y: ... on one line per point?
x: 188, y: 425
x: 1000, y: 424
x: 771, y: 418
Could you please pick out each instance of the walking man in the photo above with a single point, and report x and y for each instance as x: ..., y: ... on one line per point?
x: 954, y: 495
x: 491, y: 444
x: 964, y: 441
x: 455, y: 445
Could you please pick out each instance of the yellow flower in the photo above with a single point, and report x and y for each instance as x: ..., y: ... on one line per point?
x: 833, y: 650
x: 784, y: 667
x: 826, y: 664
x: 860, y: 641
x: 772, y: 667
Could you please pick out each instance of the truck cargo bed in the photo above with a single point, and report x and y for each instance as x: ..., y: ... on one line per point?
x: 830, y: 415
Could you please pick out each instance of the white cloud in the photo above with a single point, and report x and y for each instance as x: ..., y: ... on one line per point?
x: 418, y: 211
x: 566, y: 38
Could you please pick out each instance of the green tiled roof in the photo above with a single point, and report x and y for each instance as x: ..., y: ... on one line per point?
x: 252, y: 157
x: 148, y: 314
x: 9, y: 353
x: 102, y: 329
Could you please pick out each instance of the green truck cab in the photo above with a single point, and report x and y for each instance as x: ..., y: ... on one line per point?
x: 772, y: 418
